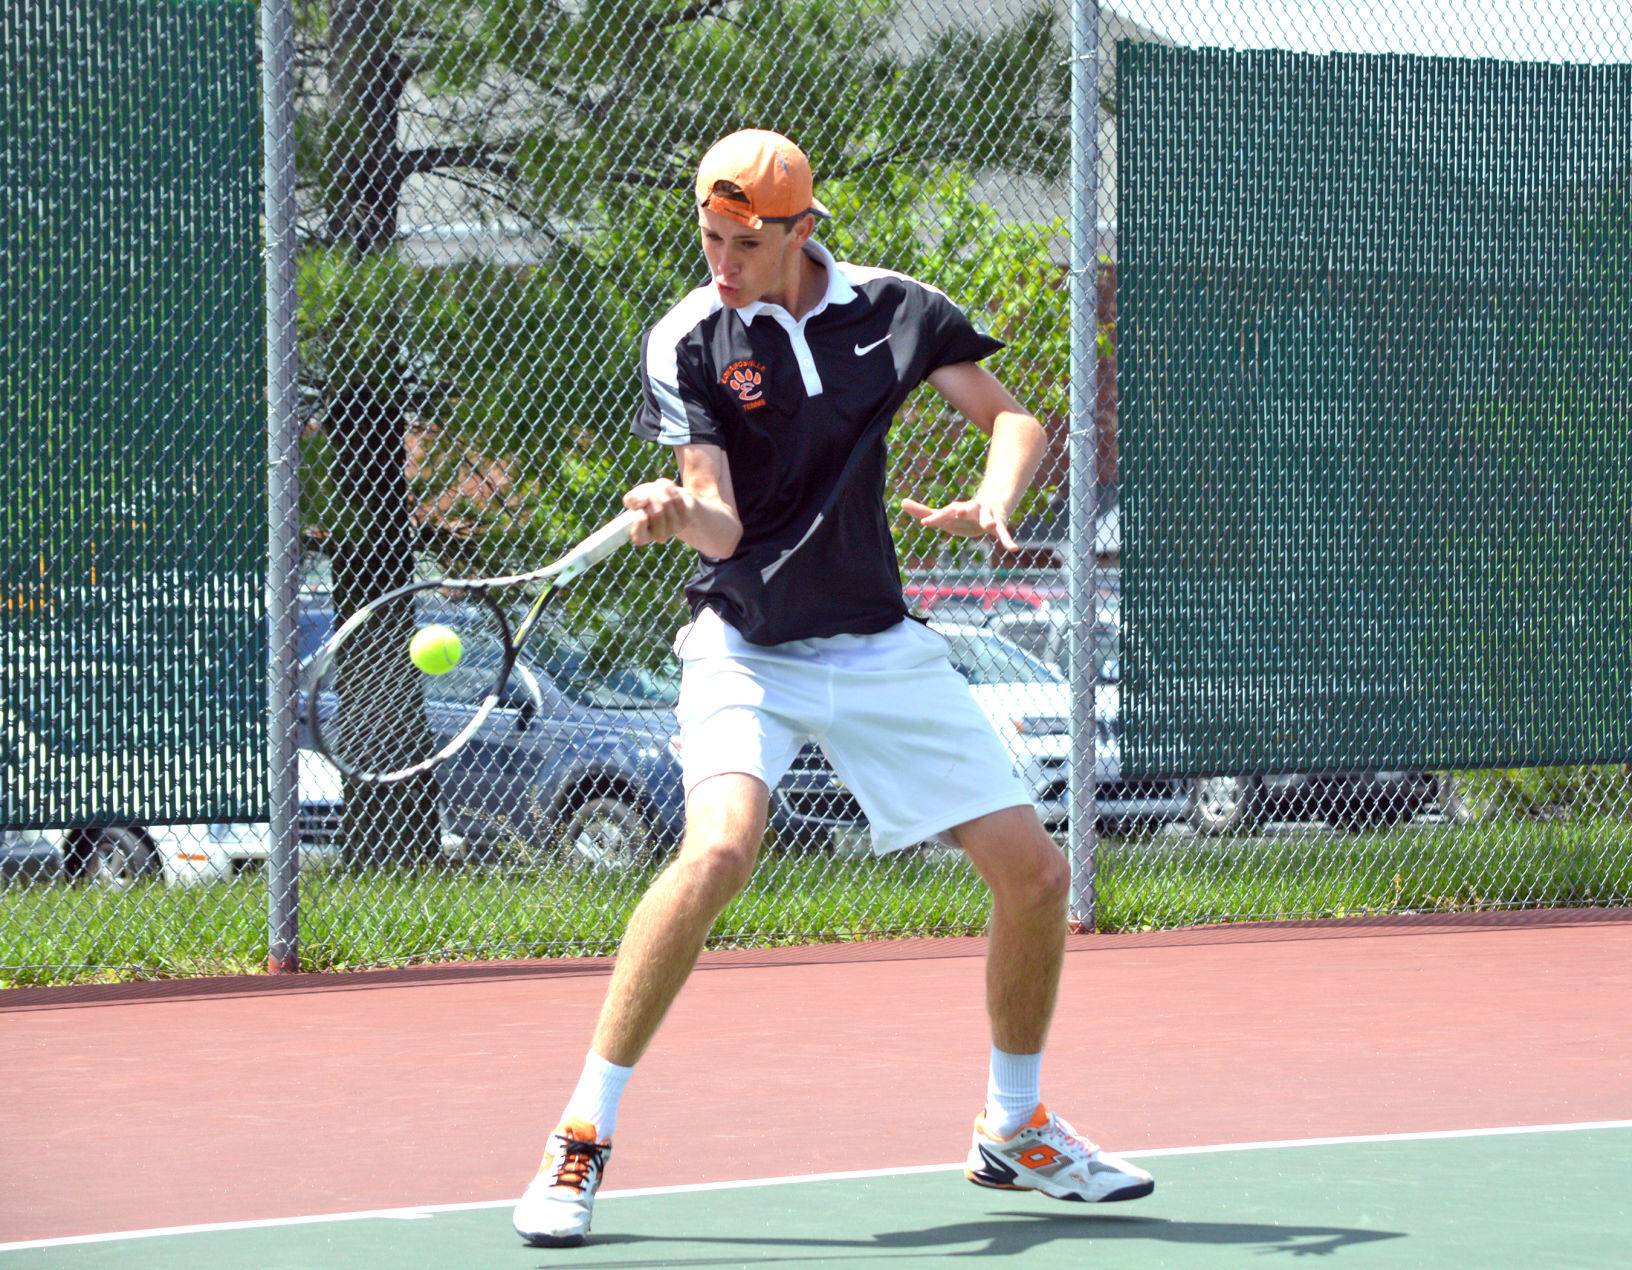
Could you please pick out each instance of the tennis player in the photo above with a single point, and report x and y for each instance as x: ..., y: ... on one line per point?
x: 773, y: 385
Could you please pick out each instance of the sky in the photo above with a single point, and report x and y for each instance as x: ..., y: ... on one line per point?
x: 1549, y: 31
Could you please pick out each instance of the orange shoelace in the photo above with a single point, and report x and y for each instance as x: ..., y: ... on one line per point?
x: 580, y: 1160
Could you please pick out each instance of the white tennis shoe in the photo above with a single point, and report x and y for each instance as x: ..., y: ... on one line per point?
x: 1048, y: 1155
x: 555, y: 1210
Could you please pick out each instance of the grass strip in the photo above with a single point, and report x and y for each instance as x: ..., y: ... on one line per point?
x: 73, y: 932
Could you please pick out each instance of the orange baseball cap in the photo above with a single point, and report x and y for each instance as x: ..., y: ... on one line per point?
x: 768, y: 168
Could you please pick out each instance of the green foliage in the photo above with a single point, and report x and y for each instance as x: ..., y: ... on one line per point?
x: 588, y: 122
x: 1545, y: 792
x: 1005, y: 274
x: 359, y: 317
x: 1017, y: 76
x: 624, y: 95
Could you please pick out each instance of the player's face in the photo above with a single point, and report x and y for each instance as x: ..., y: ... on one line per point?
x: 752, y: 264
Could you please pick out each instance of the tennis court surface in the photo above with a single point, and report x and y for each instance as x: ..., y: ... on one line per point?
x: 1449, y: 1091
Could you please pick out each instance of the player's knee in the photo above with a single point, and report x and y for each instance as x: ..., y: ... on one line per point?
x: 717, y: 865
x: 1022, y: 864
x: 1034, y: 875
x: 1049, y: 877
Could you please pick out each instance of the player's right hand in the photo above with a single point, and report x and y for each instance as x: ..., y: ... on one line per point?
x: 667, y: 507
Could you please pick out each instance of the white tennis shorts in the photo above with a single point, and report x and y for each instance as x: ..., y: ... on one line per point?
x: 895, y: 720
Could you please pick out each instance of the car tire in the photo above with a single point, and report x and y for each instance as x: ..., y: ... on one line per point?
x: 1448, y: 800
x: 114, y: 857
x: 607, y: 832
x: 1222, y: 804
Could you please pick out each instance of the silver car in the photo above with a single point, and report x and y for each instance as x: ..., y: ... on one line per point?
x: 1029, y: 704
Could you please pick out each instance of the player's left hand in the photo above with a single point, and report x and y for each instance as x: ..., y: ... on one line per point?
x: 964, y: 518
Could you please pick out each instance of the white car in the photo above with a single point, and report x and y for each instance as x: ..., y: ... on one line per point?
x: 117, y: 854
x: 189, y: 854
x: 1029, y: 703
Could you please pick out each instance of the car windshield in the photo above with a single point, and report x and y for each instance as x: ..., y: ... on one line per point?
x: 590, y: 677
x: 598, y: 682
x: 984, y: 658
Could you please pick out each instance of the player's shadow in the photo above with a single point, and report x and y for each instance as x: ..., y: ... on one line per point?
x: 1012, y: 1234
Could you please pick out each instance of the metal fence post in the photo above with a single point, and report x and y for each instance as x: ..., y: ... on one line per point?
x: 1083, y: 502
x: 283, y: 506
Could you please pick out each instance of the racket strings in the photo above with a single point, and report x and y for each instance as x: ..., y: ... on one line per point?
x: 381, y: 718
x: 380, y: 713
x: 381, y: 699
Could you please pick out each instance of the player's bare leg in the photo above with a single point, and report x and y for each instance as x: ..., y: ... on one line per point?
x: 1018, y: 1144
x: 725, y: 820
x: 1030, y: 883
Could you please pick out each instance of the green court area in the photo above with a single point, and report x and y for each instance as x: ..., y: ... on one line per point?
x: 1555, y: 1198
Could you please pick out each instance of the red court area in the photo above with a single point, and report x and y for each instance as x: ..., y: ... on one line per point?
x: 161, y: 1104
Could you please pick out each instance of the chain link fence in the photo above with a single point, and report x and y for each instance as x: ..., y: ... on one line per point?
x: 1293, y: 322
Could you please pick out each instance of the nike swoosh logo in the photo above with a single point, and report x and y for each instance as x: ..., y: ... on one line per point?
x: 863, y: 349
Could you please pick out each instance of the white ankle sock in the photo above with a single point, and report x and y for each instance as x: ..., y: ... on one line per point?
x: 1013, y: 1091
x: 597, y: 1094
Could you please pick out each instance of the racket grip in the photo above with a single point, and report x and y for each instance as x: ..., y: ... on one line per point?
x: 604, y: 541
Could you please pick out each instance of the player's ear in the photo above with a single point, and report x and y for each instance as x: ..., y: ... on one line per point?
x: 801, y: 229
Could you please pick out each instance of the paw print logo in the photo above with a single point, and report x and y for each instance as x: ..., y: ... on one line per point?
x: 745, y: 381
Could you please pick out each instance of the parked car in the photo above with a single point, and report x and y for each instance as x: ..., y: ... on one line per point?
x: 580, y: 759
x: 1045, y: 632
x: 1348, y: 799
x: 1042, y: 632
x: 977, y: 601
x: 119, y: 853
x: 1028, y: 702
x: 579, y: 756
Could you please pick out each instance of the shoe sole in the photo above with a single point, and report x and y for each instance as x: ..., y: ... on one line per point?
x: 552, y: 1241
x: 1137, y: 1190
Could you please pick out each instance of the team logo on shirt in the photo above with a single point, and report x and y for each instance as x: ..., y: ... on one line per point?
x: 744, y: 379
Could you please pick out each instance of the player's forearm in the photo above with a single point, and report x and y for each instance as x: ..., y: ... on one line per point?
x: 712, y: 527
x: 1018, y: 443
x: 699, y: 509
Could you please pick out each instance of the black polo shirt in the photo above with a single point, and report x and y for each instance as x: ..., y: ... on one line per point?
x: 787, y: 402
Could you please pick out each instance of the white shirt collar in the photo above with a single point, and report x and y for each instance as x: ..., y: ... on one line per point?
x: 839, y: 289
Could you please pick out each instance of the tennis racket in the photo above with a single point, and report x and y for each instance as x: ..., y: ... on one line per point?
x: 376, y: 715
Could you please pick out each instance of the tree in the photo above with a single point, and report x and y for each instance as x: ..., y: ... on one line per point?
x: 366, y: 417
x: 575, y: 130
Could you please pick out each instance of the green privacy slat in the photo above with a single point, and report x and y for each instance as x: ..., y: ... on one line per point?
x: 1375, y: 358
x: 132, y: 488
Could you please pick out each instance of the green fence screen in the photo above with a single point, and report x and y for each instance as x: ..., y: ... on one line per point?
x: 132, y: 488
x: 1375, y: 355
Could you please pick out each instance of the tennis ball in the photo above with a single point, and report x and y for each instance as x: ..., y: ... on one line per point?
x: 435, y: 650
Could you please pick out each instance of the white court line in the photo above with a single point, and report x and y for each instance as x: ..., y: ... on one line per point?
x: 423, y: 1211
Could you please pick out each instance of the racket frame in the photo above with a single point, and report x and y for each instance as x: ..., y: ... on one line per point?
x: 558, y: 574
